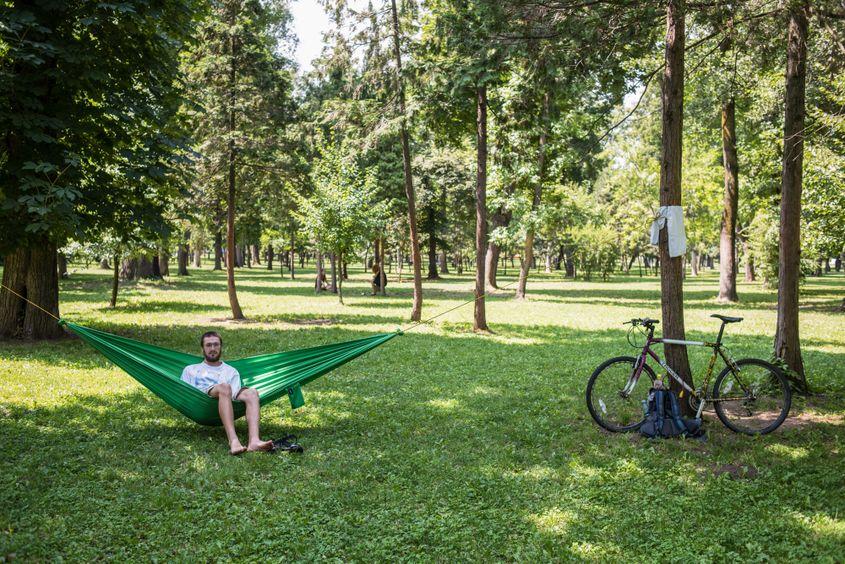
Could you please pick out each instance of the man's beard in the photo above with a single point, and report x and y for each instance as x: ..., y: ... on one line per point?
x: 212, y: 357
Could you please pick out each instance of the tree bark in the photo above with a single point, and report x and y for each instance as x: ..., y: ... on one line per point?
x: 218, y: 251
x: 787, y: 345
x: 61, y: 259
x: 104, y: 264
x: 237, y: 313
x: 333, y: 286
x: 480, y: 314
x: 671, y: 269
x: 380, y: 257
x: 443, y: 261
x: 115, y: 281
x: 727, y: 242
x: 432, y: 246
x: 145, y: 267
x: 33, y: 273
x: 269, y: 257
x: 163, y: 262
x: 182, y: 254
x: 318, y: 281
x: 155, y: 266
x: 292, y: 250
x: 197, y: 255
x: 256, y: 254
x: 416, y: 309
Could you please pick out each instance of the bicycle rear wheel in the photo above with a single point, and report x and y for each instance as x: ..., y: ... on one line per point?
x: 753, y: 401
x: 609, y: 407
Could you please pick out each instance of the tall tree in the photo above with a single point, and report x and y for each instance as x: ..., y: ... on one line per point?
x: 671, y: 268
x: 242, y: 87
x: 787, y: 345
x: 416, y: 309
x: 89, y: 91
x: 727, y: 241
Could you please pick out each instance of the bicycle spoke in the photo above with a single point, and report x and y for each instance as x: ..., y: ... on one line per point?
x: 612, y: 408
x: 753, y: 400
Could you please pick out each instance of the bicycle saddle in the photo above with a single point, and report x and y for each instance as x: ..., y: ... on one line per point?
x: 726, y: 319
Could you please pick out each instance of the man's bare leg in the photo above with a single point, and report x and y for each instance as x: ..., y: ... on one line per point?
x: 253, y: 408
x: 223, y: 393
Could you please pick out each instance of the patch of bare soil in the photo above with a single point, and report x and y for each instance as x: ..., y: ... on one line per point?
x: 735, y: 471
x: 808, y: 419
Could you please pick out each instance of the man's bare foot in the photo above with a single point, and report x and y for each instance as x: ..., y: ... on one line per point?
x: 260, y: 445
x: 236, y: 448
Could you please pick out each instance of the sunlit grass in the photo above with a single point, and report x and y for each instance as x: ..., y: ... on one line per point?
x: 439, y: 445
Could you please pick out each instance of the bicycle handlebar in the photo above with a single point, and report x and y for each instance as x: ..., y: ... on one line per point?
x: 647, y: 322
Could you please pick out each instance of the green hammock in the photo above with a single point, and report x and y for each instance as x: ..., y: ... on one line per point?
x: 272, y: 375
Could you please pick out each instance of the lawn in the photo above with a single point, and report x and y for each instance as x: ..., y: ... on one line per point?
x: 440, y: 445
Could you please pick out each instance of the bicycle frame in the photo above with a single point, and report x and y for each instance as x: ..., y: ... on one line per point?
x: 718, y: 350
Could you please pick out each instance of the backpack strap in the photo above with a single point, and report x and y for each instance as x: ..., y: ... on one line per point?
x: 659, y: 399
x: 675, y: 412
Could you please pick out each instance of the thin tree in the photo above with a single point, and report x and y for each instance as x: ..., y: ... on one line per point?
x: 416, y: 309
x: 480, y: 315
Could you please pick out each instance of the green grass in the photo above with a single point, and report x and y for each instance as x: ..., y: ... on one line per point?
x: 441, y: 445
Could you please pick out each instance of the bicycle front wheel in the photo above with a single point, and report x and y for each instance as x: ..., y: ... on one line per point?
x: 610, y: 407
x: 753, y: 400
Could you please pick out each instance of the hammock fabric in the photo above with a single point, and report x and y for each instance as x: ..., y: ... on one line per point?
x: 271, y: 375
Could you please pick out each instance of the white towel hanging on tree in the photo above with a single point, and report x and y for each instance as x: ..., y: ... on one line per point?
x: 671, y: 217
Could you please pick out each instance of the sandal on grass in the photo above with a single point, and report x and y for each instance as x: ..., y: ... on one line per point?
x: 288, y: 444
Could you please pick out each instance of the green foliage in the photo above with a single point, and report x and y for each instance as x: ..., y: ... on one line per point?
x: 89, y: 96
x: 342, y: 213
x: 596, y: 250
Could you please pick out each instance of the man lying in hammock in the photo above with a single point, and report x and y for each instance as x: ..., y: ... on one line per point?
x: 221, y: 381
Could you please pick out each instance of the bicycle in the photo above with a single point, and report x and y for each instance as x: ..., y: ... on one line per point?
x: 750, y: 396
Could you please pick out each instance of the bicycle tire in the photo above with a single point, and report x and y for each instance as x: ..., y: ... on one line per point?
x: 591, y: 384
x: 780, y: 383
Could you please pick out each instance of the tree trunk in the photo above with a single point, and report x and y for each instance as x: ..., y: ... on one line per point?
x: 443, y: 260
x: 837, y: 263
x: 218, y: 251
x: 694, y: 262
x: 155, y: 266
x: 145, y: 268
x: 182, y: 254
x: 197, y: 255
x: 129, y: 269
x: 318, y: 281
x: 33, y: 273
x: 671, y: 269
x: 256, y: 254
x: 269, y: 256
x: 380, y: 258
x: 163, y: 262
x: 787, y: 345
x: 292, y: 250
x: 62, y: 265
x: 237, y: 313
x: 115, y: 281
x: 480, y: 315
x: 333, y: 286
x: 342, y: 261
x: 416, y: 310
x: 727, y: 242
x: 432, y: 246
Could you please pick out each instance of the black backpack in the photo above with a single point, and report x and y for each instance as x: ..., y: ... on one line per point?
x: 663, y: 417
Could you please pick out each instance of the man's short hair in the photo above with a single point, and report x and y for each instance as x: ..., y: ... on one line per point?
x: 210, y: 334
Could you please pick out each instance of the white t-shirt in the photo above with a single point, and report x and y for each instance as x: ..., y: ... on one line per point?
x: 205, y: 377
